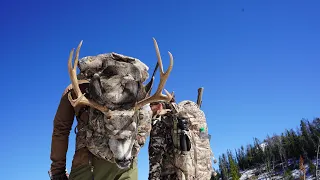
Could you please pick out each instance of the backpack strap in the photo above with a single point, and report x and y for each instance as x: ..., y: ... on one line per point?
x: 175, y: 134
x: 195, y: 154
x: 81, y: 111
x: 83, y: 85
x: 90, y: 158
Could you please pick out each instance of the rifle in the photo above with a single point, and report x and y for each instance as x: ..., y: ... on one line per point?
x: 149, y: 85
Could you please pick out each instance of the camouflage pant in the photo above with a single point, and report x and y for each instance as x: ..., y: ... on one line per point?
x: 104, y: 170
x: 161, y: 152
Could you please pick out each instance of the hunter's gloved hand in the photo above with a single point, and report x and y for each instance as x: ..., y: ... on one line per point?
x: 61, y: 176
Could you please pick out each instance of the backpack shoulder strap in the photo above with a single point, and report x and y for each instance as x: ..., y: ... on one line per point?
x: 82, y: 84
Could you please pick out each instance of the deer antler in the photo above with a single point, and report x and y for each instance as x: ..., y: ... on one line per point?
x: 158, y: 96
x: 80, y: 98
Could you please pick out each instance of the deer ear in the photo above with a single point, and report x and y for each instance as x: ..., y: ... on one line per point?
x: 148, y: 87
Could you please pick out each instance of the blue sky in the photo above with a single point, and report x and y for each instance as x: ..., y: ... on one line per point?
x: 258, y: 62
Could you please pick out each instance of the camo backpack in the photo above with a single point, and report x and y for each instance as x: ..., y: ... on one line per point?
x: 196, y: 161
x: 105, y: 134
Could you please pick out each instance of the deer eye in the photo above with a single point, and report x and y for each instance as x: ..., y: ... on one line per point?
x: 110, y: 71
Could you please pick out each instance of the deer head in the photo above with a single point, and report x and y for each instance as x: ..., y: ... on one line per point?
x: 115, y: 97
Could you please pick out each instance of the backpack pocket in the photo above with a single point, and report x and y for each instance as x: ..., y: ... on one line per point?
x: 184, y: 162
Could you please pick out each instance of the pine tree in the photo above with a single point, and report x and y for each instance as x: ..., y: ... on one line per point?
x: 234, y: 169
x: 282, y: 151
x: 258, y: 152
x: 275, y: 147
x: 241, y: 158
x: 238, y: 158
x: 250, y: 155
x: 308, y: 145
x: 316, y: 123
x: 288, y: 144
x: 294, y: 145
x: 315, y: 135
x: 268, y: 154
x: 223, y: 166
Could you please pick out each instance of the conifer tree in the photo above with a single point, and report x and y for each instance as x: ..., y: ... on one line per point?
x: 300, y: 144
x: 269, y: 158
x: 234, y: 169
x: 282, y: 151
x: 223, y: 166
x: 315, y: 135
x: 316, y: 123
x: 250, y: 155
x: 308, y: 143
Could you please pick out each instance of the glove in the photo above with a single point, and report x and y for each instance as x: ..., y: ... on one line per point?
x: 61, y: 176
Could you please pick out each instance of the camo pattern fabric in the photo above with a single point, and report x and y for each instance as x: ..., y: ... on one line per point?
x: 102, y: 132
x: 197, y: 163
x: 161, y: 150
x: 144, y: 128
x: 96, y: 134
x: 81, y: 134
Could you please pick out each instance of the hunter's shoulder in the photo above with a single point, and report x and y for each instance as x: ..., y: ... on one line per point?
x: 83, y: 84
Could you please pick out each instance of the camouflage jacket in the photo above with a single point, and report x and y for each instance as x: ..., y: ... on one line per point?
x: 62, y: 125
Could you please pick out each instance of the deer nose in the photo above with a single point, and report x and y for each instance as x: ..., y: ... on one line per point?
x: 123, y: 163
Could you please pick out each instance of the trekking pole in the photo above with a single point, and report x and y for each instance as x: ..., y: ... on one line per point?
x: 199, y: 99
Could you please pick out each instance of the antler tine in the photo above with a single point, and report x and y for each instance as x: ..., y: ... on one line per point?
x: 80, y: 98
x: 163, y: 76
x: 158, y: 96
x: 73, y: 70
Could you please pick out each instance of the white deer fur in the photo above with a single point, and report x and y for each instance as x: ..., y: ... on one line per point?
x: 120, y: 129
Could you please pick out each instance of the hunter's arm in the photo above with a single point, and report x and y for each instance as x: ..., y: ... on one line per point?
x: 62, y: 125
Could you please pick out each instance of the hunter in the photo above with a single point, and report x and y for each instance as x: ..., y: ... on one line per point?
x: 113, y: 117
x: 179, y: 147
x: 161, y: 148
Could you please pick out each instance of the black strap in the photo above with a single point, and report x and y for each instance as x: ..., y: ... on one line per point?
x: 81, y: 111
x: 155, y: 70
x: 91, y: 164
x: 149, y: 85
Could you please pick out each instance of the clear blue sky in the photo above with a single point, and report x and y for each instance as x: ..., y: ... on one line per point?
x: 257, y: 60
